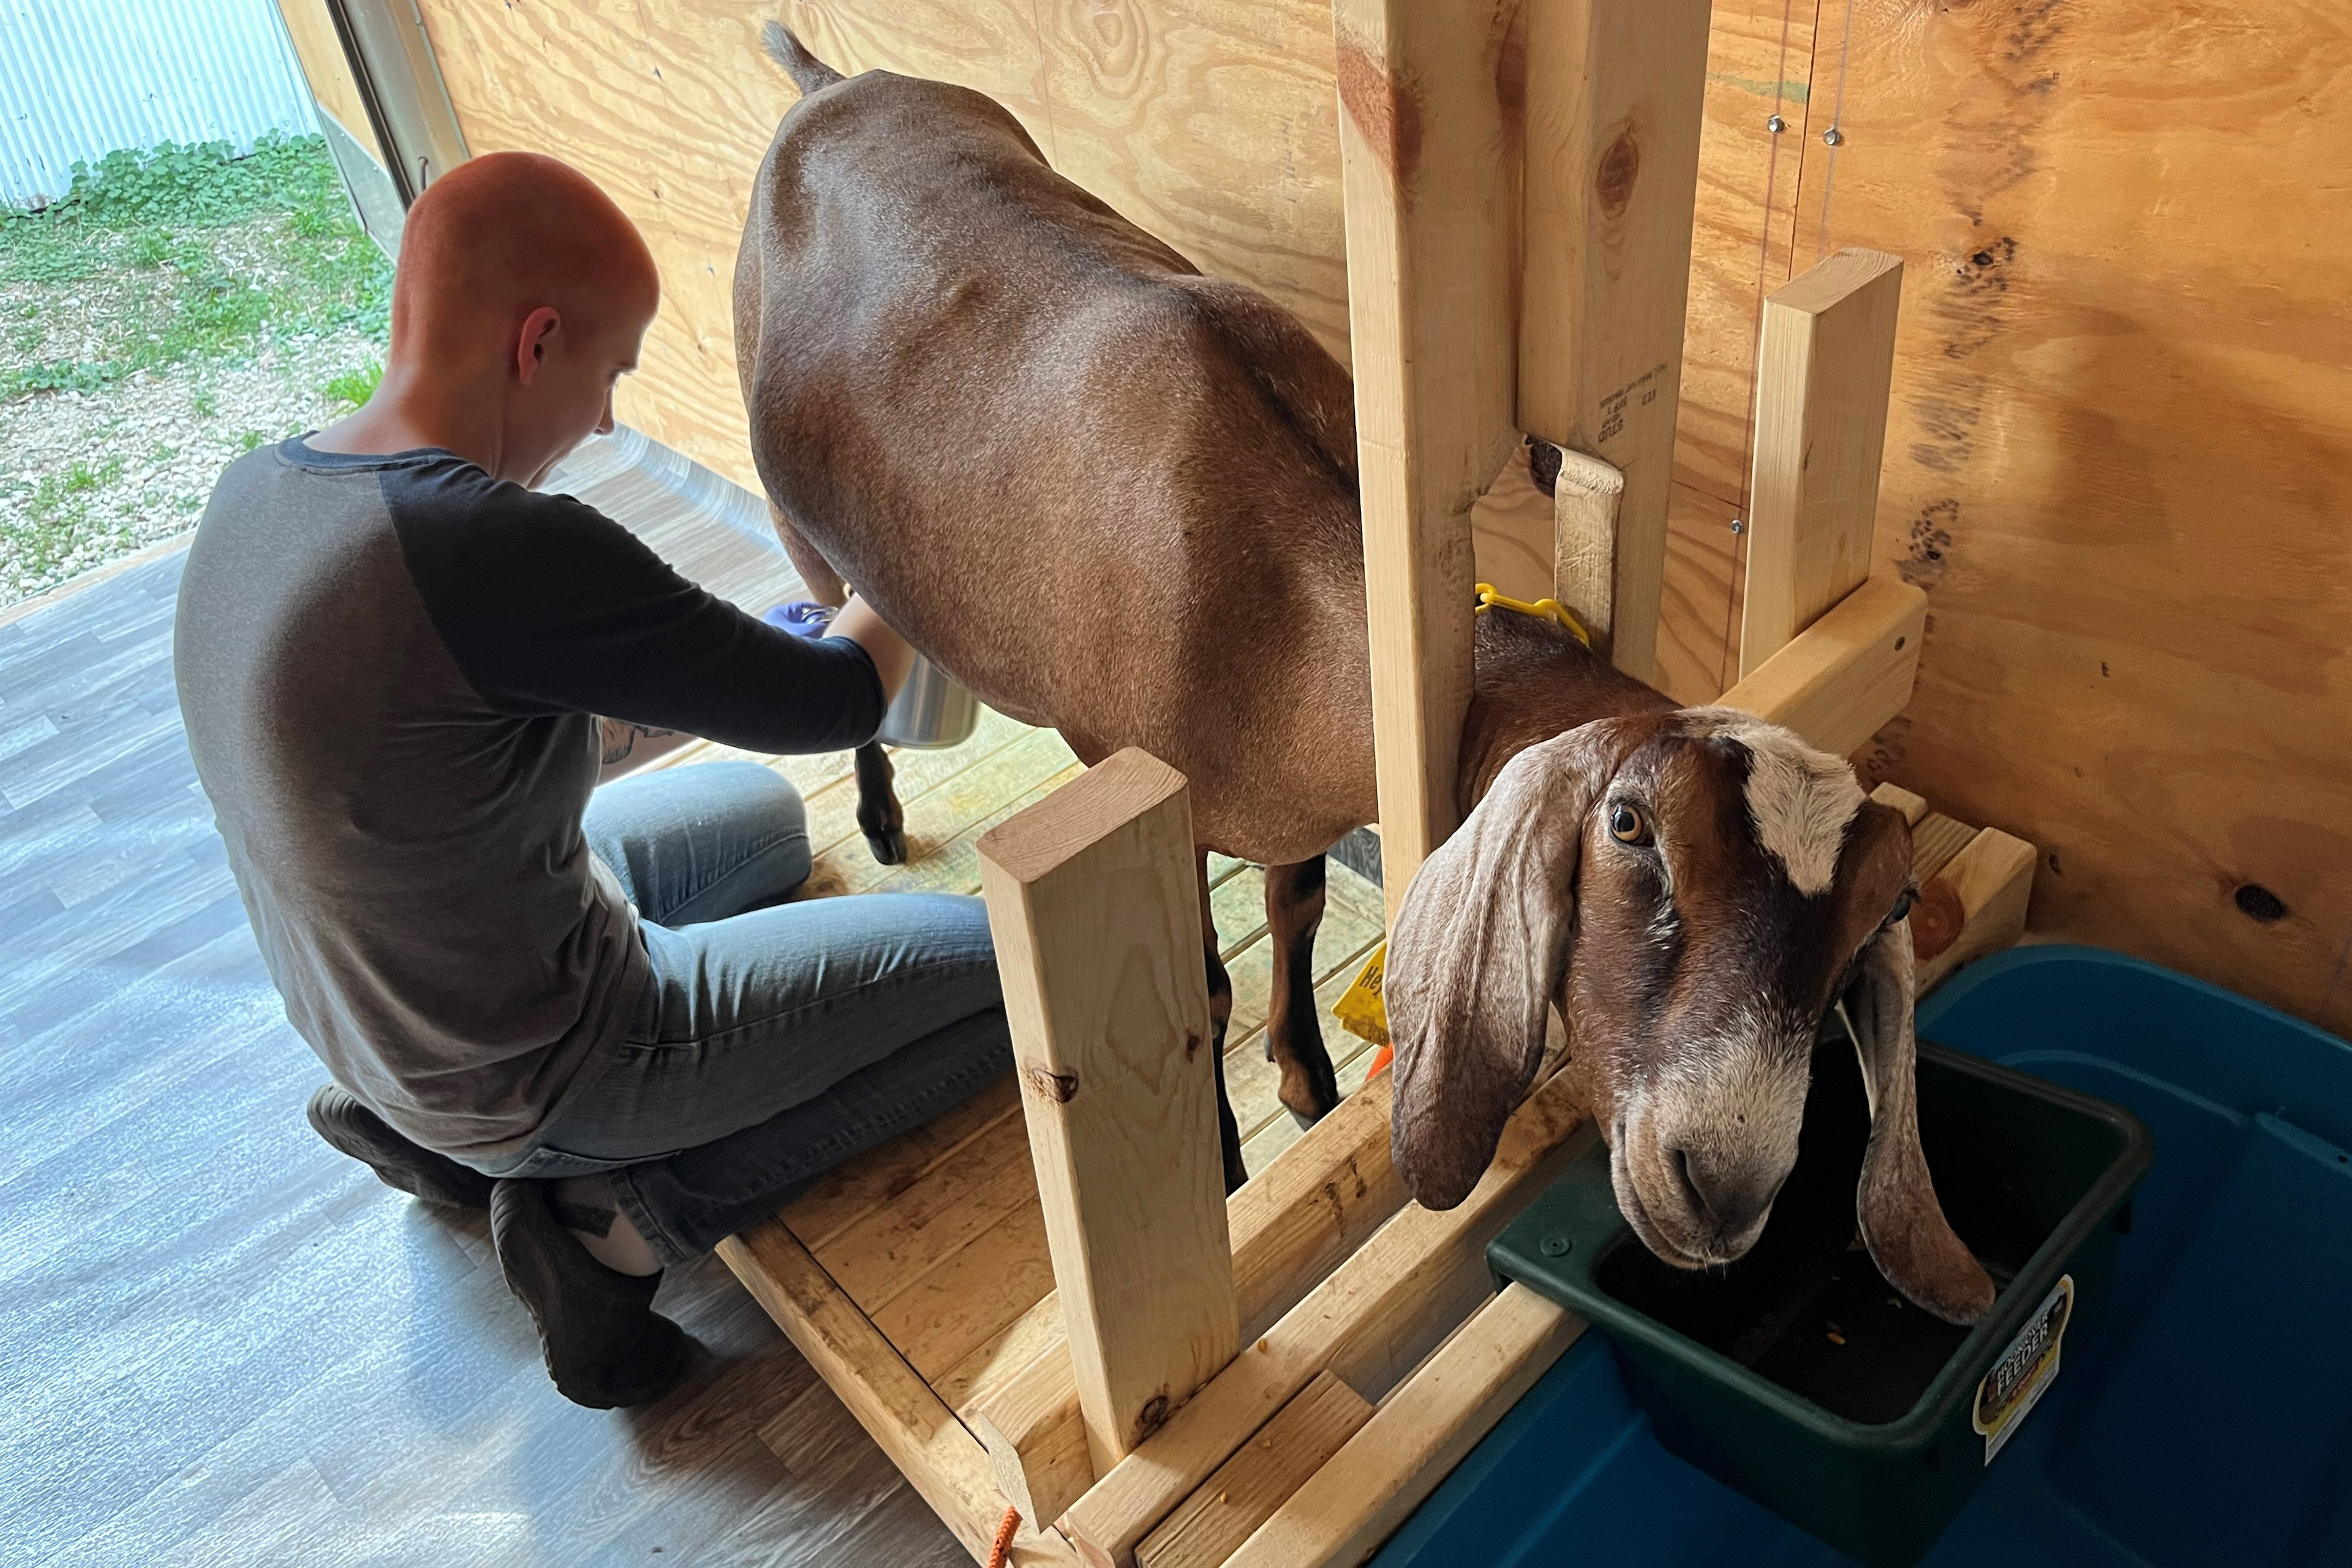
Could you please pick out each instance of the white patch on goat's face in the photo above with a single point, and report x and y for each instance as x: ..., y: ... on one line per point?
x: 1799, y: 799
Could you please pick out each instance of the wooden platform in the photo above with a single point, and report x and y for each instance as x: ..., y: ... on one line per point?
x: 915, y: 1278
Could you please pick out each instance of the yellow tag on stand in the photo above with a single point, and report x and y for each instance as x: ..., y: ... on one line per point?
x: 1361, y: 1009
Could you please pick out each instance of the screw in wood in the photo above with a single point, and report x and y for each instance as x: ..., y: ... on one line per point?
x: 1738, y: 525
x: 1832, y: 136
x: 1776, y: 125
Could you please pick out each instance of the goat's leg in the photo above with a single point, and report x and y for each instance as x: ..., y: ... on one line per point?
x: 1294, y: 1030
x: 879, y: 815
x: 824, y: 584
x: 1221, y: 1012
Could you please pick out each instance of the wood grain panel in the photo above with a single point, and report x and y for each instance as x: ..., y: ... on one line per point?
x: 669, y: 106
x: 1212, y: 123
x: 1698, y: 616
x: 2120, y: 455
x: 1760, y: 64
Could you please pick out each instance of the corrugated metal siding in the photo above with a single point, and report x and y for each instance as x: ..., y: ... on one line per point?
x: 80, y: 78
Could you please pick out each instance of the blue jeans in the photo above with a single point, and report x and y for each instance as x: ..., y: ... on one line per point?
x: 770, y: 1042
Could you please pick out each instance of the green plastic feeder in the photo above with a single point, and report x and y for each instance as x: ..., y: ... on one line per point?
x: 1799, y: 1375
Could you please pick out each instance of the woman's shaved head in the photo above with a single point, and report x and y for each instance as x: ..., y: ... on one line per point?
x: 504, y: 234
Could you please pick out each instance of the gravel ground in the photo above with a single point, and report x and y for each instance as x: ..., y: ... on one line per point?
x: 180, y: 306
x: 150, y: 448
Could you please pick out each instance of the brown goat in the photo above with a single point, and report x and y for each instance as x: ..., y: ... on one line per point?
x: 1118, y: 498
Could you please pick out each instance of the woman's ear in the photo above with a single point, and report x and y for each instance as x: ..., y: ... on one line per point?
x: 1901, y: 1224
x: 1477, y: 955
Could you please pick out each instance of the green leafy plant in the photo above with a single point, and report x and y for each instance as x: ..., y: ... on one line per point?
x: 80, y: 478
x: 354, y: 388
x: 163, y: 214
x: 179, y: 261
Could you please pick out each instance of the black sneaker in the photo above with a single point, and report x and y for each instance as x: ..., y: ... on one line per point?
x: 606, y: 1344
x: 351, y: 1128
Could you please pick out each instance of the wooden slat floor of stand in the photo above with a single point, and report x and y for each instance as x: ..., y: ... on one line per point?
x: 933, y: 1248
x: 914, y: 1278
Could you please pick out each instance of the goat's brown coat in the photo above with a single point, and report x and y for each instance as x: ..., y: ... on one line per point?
x: 1118, y: 498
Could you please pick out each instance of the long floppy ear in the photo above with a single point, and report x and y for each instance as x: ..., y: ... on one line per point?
x: 1477, y: 958
x: 1903, y: 1224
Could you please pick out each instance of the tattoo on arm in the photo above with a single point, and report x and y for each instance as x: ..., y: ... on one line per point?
x: 621, y: 737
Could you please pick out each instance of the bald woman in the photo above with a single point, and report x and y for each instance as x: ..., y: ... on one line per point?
x: 407, y: 670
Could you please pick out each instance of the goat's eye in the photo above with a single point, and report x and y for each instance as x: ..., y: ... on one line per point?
x: 1627, y: 825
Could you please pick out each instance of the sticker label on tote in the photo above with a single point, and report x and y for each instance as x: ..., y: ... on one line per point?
x: 2025, y: 1370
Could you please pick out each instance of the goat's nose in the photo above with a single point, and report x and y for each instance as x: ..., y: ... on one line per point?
x: 1727, y: 1194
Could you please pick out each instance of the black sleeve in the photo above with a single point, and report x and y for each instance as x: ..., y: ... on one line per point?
x: 550, y: 607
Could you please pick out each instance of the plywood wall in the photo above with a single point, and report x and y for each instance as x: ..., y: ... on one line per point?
x: 1211, y: 122
x: 2120, y: 452
x: 2119, y: 457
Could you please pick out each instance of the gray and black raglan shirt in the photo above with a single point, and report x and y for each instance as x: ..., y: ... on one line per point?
x: 391, y: 668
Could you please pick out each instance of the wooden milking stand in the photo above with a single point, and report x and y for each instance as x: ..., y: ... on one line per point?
x: 1278, y: 1378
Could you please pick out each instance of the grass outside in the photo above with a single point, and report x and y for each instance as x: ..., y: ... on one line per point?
x: 176, y: 307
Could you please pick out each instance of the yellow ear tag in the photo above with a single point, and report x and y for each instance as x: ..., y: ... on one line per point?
x: 1361, y: 1009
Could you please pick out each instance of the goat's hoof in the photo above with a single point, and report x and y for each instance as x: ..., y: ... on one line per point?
x: 889, y: 845
x: 1308, y: 1119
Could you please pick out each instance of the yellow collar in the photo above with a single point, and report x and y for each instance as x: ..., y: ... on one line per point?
x: 1542, y: 609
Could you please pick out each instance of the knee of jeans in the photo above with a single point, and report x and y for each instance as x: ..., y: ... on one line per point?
x: 792, y: 859
x: 755, y: 780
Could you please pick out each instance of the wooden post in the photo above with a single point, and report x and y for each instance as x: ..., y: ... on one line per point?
x: 1614, y: 92
x: 1094, y: 906
x: 1431, y: 223
x: 1825, y: 365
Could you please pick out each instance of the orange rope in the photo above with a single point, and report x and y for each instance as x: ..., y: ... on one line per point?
x: 1000, y: 1552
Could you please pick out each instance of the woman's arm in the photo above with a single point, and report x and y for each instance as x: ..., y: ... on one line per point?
x: 892, y: 657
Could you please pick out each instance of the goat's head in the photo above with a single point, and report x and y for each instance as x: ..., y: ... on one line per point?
x: 1693, y: 890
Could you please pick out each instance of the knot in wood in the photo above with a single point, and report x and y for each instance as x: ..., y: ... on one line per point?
x: 1936, y: 917
x: 1060, y: 1088
x: 1620, y: 168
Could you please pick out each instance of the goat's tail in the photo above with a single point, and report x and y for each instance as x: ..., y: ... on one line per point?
x: 809, y: 73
